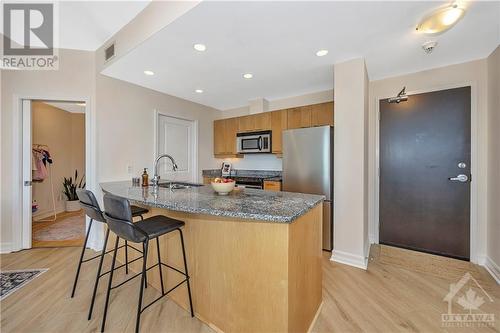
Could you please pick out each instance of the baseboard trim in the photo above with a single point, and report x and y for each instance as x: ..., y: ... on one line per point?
x: 349, y: 259
x: 5, y: 247
x: 492, y: 268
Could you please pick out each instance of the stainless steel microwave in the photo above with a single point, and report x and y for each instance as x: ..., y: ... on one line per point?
x: 253, y: 142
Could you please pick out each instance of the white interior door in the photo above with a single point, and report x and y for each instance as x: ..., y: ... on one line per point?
x: 177, y: 137
x: 26, y: 167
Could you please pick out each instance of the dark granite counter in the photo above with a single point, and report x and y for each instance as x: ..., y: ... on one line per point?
x: 252, y: 204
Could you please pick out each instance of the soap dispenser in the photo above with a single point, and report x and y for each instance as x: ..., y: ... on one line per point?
x: 145, y: 178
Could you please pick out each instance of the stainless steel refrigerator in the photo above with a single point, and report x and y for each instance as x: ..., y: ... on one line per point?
x: 308, y: 168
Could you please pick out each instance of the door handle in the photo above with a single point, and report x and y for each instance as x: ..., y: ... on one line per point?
x: 460, y: 178
x: 259, y: 143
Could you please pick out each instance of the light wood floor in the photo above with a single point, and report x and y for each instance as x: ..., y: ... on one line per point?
x: 57, y: 243
x: 402, y: 291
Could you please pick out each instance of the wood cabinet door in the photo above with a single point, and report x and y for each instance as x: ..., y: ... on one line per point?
x: 272, y: 185
x: 231, y: 128
x: 299, y: 117
x: 322, y: 114
x: 219, y: 136
x: 278, y: 125
x: 207, y: 180
x: 246, y: 123
x: 262, y: 121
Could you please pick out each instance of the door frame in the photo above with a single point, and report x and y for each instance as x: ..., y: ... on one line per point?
x: 194, y: 165
x: 475, y: 163
x: 21, y: 232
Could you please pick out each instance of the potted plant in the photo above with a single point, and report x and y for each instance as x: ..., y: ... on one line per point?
x: 70, y: 187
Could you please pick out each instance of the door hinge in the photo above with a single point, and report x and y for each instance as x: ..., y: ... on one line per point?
x: 27, y: 183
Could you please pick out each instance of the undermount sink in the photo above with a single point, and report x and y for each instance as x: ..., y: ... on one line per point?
x: 178, y: 185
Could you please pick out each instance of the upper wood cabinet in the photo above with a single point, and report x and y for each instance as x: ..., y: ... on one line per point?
x: 254, y: 122
x: 219, y: 137
x: 322, y: 114
x: 225, y: 130
x: 299, y: 117
x: 262, y: 121
x: 231, y: 128
x: 278, y: 125
x: 225, y: 137
x: 246, y: 123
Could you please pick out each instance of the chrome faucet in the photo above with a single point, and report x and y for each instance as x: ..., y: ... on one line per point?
x: 156, y: 178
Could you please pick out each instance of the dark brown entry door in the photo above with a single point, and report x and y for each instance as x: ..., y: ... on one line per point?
x: 424, y: 142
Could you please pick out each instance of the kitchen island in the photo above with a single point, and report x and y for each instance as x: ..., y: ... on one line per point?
x: 254, y: 256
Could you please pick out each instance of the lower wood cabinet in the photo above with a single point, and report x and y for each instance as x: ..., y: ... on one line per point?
x: 208, y: 180
x: 272, y: 185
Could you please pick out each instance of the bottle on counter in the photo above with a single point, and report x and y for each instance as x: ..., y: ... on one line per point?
x: 145, y: 178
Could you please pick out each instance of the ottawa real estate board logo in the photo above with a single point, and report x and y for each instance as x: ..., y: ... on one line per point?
x: 465, y: 299
x: 29, y: 31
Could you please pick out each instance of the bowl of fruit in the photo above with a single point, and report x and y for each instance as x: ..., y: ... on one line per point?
x: 223, y: 186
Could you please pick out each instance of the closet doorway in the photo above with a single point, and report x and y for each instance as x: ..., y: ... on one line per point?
x: 57, y: 168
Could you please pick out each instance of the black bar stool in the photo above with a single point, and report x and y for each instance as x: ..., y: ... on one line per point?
x: 118, y: 215
x: 91, y: 207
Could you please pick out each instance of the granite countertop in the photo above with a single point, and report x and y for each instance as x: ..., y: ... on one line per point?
x: 251, y: 204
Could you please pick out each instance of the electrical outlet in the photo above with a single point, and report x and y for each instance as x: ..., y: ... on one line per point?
x: 129, y: 169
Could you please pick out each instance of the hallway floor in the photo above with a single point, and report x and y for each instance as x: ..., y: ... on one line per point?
x: 402, y: 291
x: 67, y: 230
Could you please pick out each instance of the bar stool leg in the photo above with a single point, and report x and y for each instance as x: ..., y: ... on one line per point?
x: 99, y: 269
x: 109, y: 284
x: 144, y: 249
x: 81, y: 258
x: 159, y: 265
x: 126, y: 257
x: 187, y: 274
x: 141, y: 289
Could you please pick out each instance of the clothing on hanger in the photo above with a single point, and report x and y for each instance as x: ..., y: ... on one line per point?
x: 40, y: 158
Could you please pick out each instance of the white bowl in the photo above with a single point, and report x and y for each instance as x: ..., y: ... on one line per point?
x: 223, y: 188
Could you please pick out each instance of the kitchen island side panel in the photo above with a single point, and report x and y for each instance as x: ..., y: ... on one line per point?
x: 245, y: 277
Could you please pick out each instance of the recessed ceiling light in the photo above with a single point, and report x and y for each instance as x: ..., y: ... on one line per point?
x: 248, y: 75
x: 199, y: 91
x: 321, y: 53
x: 149, y: 73
x: 441, y: 19
x: 200, y: 47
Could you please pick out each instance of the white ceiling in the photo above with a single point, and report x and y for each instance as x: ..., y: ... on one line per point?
x: 86, y: 25
x: 277, y: 41
x: 72, y: 107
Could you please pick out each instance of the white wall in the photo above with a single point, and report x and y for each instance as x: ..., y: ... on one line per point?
x: 351, y: 160
x: 73, y: 80
x: 493, y: 225
x: 470, y: 73
x: 123, y: 125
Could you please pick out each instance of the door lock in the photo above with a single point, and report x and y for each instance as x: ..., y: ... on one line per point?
x: 460, y: 178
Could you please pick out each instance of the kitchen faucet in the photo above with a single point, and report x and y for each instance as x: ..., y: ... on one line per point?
x: 156, y: 178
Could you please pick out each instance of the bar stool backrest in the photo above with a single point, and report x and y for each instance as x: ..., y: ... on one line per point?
x: 119, y: 218
x: 90, y: 205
